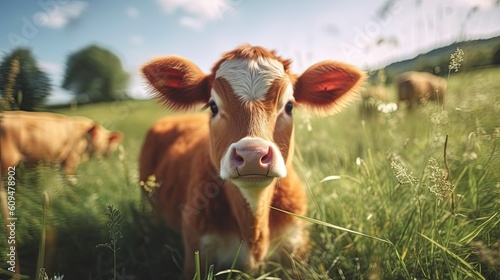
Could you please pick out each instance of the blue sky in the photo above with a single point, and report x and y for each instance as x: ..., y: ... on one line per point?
x: 201, y: 30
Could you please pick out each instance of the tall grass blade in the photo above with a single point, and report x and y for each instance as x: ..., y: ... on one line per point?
x: 331, y: 178
x: 43, y: 235
x: 314, y: 221
x: 469, y: 237
x: 197, y: 275
x: 234, y: 261
x: 470, y: 270
x: 402, y: 263
x: 210, y: 274
x: 229, y: 271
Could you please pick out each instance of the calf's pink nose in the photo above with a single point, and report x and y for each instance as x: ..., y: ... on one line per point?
x: 252, y: 160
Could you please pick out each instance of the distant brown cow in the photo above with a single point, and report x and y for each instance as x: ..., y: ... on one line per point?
x: 51, y: 138
x: 34, y: 137
x: 416, y: 88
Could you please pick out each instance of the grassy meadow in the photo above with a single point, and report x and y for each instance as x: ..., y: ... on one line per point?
x: 383, y: 176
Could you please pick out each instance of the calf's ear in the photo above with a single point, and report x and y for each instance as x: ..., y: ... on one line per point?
x: 93, y: 130
x: 326, y: 86
x: 177, y: 82
x: 115, y: 137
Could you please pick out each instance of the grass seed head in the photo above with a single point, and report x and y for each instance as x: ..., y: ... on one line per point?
x: 403, y: 175
x: 456, y: 59
x: 440, y: 186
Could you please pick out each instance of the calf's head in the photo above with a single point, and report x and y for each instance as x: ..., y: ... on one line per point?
x: 251, y: 95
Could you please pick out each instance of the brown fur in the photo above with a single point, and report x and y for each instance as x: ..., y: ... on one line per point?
x: 184, y: 153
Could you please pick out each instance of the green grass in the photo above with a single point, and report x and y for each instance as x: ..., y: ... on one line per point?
x: 428, y: 237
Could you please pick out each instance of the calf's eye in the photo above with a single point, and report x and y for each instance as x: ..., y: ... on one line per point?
x: 289, y: 108
x: 213, y: 108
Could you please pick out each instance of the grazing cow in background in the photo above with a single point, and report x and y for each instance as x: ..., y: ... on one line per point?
x: 415, y: 88
x: 34, y: 137
x: 219, y: 173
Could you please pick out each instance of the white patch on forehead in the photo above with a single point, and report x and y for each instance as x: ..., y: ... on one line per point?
x: 251, y: 79
x: 215, y: 97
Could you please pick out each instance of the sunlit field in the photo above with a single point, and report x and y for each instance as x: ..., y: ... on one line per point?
x: 415, y: 207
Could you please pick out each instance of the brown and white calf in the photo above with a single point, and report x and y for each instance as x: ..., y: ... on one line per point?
x: 219, y: 173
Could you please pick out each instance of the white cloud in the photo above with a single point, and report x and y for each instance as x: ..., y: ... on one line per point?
x: 136, y: 40
x: 132, y: 12
x: 198, y: 13
x: 60, y: 15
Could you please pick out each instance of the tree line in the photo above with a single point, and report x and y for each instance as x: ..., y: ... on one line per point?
x: 477, y: 54
x: 93, y: 74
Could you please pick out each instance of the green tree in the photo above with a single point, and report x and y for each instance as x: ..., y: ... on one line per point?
x: 22, y: 84
x: 95, y: 74
x: 7, y: 102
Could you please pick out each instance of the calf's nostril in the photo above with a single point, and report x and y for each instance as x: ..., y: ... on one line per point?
x: 237, y: 157
x: 268, y: 157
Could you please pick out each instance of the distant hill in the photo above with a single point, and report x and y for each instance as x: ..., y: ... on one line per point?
x: 477, y: 53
